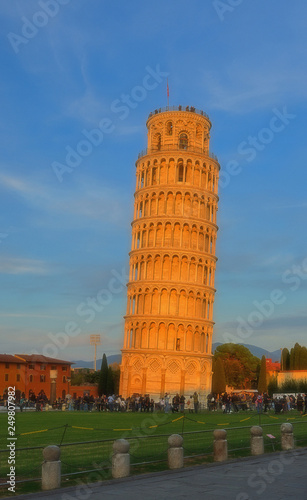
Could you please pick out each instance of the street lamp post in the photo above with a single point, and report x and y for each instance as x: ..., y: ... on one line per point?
x: 95, y: 340
x: 53, y: 379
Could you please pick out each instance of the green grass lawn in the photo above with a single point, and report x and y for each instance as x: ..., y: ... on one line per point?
x: 147, y: 433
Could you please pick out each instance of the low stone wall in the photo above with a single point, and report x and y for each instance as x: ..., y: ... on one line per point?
x: 51, y: 467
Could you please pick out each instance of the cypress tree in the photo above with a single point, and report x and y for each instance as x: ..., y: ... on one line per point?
x: 303, y: 359
x: 285, y: 359
x: 297, y: 352
x: 110, y: 382
x: 103, y: 376
x: 262, y: 382
x: 292, y: 359
x: 218, y: 377
x: 272, y: 386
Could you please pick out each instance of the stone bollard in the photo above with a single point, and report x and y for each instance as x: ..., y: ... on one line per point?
x: 287, y: 438
x: 120, y: 459
x: 51, y: 468
x: 220, y: 451
x: 175, y: 451
x: 257, y: 446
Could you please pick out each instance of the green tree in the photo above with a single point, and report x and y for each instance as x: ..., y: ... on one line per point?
x: 103, y: 376
x: 285, y: 359
x: 239, y: 364
x: 295, y: 357
x: 92, y: 377
x: 291, y: 367
x: 110, y: 382
x: 303, y: 358
x: 272, y: 386
x: 83, y: 376
x: 218, y: 377
x: 77, y: 378
x: 116, y: 376
x: 262, y: 382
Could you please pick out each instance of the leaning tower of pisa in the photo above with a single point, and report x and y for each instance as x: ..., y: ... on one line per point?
x: 169, y: 319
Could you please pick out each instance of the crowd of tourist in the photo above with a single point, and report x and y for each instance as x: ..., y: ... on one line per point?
x: 231, y: 402
x: 236, y: 401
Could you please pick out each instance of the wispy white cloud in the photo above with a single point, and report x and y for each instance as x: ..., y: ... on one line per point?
x: 12, y: 265
x: 80, y: 199
x: 15, y: 184
x: 287, y: 328
x: 25, y: 315
x: 243, y: 89
x: 88, y: 108
x: 300, y: 204
x: 129, y: 130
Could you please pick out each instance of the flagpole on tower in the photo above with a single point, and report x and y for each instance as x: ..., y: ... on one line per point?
x: 167, y: 89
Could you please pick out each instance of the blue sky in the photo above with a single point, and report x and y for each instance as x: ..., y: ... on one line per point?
x: 69, y: 67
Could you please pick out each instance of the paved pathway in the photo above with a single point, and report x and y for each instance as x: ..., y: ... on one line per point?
x: 275, y: 476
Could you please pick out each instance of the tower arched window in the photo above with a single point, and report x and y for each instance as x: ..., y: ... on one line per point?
x: 183, y: 141
x: 156, y: 141
x: 180, y: 172
x: 169, y: 128
x: 154, y: 175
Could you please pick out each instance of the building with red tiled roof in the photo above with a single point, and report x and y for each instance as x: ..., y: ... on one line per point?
x: 34, y: 374
x: 40, y: 358
x: 272, y: 367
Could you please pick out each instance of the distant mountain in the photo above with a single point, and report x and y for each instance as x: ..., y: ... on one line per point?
x: 114, y: 358
x: 256, y: 351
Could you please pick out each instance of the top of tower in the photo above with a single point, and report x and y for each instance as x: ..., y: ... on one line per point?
x: 175, y: 128
x: 189, y: 109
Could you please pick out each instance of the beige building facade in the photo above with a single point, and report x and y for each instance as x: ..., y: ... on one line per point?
x: 170, y: 293
x: 286, y: 376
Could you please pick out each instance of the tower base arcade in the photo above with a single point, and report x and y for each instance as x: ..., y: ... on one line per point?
x: 158, y: 373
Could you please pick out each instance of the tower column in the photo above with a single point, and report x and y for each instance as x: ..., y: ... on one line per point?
x: 144, y: 380
x: 162, y: 386
x: 182, y: 381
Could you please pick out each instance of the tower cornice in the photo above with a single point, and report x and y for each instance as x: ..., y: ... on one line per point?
x: 172, y: 150
x: 175, y: 111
